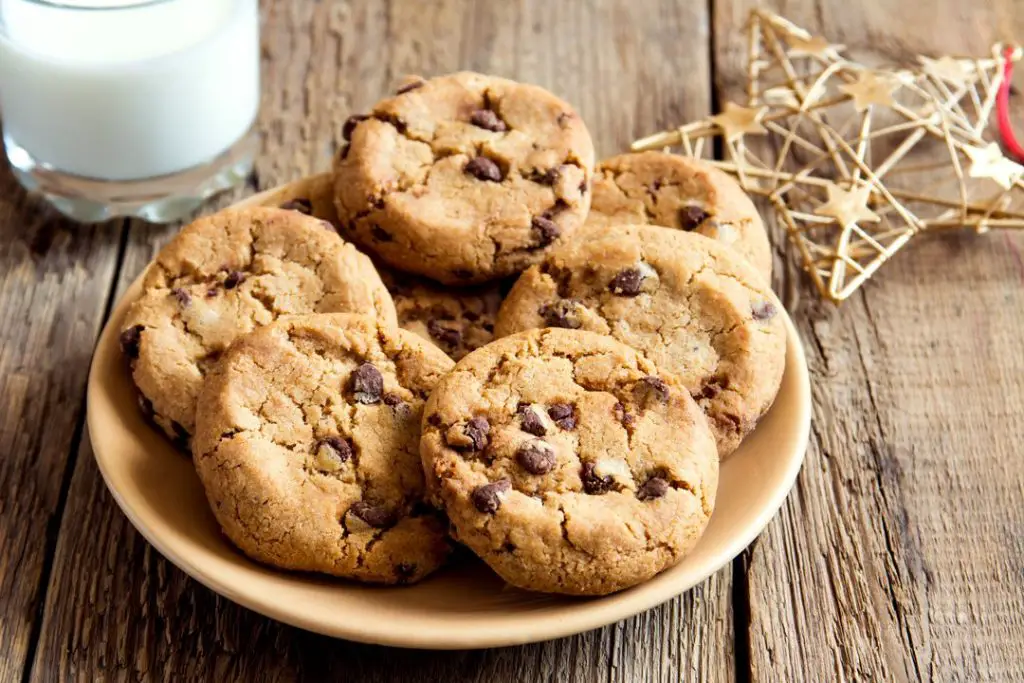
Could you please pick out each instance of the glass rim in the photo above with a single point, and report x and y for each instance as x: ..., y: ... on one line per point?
x: 94, y: 6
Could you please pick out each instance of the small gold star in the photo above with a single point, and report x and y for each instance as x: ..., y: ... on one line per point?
x: 735, y: 121
x: 989, y: 162
x: 815, y: 46
x: 871, y: 88
x: 848, y: 207
x: 948, y: 69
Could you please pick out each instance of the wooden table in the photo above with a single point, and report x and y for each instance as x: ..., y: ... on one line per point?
x: 899, y: 555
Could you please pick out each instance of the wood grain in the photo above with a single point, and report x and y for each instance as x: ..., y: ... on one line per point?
x: 55, y: 277
x: 899, y: 555
x: 117, y: 611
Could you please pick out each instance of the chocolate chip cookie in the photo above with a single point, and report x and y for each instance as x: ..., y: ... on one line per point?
x: 691, y: 304
x: 223, y: 276
x: 464, y: 178
x: 568, y: 462
x: 307, y: 444
x: 455, y: 319
x: 679, y: 192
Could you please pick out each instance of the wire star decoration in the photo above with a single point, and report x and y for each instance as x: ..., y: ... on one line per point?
x: 857, y: 161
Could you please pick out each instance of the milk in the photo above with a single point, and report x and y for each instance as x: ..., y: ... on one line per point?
x: 145, y: 90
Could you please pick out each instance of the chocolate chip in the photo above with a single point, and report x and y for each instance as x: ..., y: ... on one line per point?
x: 471, y: 316
x: 410, y: 87
x: 477, y: 430
x: 546, y: 177
x: 487, y: 498
x: 339, y: 445
x: 651, y: 388
x: 380, y: 234
x: 212, y: 292
x: 404, y: 571
x: 594, y: 484
x: 443, y: 334
x: 183, y: 297
x: 623, y: 415
x: 367, y: 384
x: 564, y: 415
x: 392, y: 399
x: 563, y: 119
x: 712, y: 387
x: 691, y: 216
x: 374, y: 515
x: 350, y: 125
x: 343, y: 153
x: 234, y: 279
x: 545, y: 231
x: 562, y: 313
x: 298, y: 204
x: 487, y: 119
x: 536, y: 457
x: 584, y: 187
x: 654, y: 186
x: 434, y: 420
x: 531, y: 422
x: 763, y: 310
x: 628, y: 282
x: 556, y: 208
x: 130, y: 340
x: 655, y: 487
x: 483, y: 168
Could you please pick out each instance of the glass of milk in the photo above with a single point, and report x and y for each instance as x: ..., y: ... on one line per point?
x: 129, y: 107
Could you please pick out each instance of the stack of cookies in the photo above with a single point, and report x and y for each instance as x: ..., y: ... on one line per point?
x: 466, y: 333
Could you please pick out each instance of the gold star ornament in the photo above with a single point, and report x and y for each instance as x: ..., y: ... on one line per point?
x: 853, y: 162
x: 815, y: 46
x: 989, y: 162
x: 848, y: 207
x: 736, y: 121
x: 871, y: 88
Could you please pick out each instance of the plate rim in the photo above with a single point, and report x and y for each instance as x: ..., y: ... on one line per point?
x: 444, y: 637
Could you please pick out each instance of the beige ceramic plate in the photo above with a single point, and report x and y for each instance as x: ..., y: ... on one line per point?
x: 465, y: 606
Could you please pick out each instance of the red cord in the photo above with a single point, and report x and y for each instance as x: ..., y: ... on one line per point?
x: 1003, y: 108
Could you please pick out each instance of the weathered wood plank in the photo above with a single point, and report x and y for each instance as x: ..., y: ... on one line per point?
x: 118, y: 611
x: 56, y: 278
x: 898, y: 557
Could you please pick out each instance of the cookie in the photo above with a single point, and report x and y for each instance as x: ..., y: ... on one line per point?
x: 568, y: 462
x: 464, y: 178
x: 679, y: 192
x: 307, y: 446
x: 691, y: 304
x: 455, y: 319
x: 223, y: 276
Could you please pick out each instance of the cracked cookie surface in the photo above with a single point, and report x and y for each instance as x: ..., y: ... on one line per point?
x: 568, y: 462
x: 308, y: 448
x: 455, y: 319
x: 464, y: 178
x: 221, y: 277
x: 692, y: 305
x: 678, y: 192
